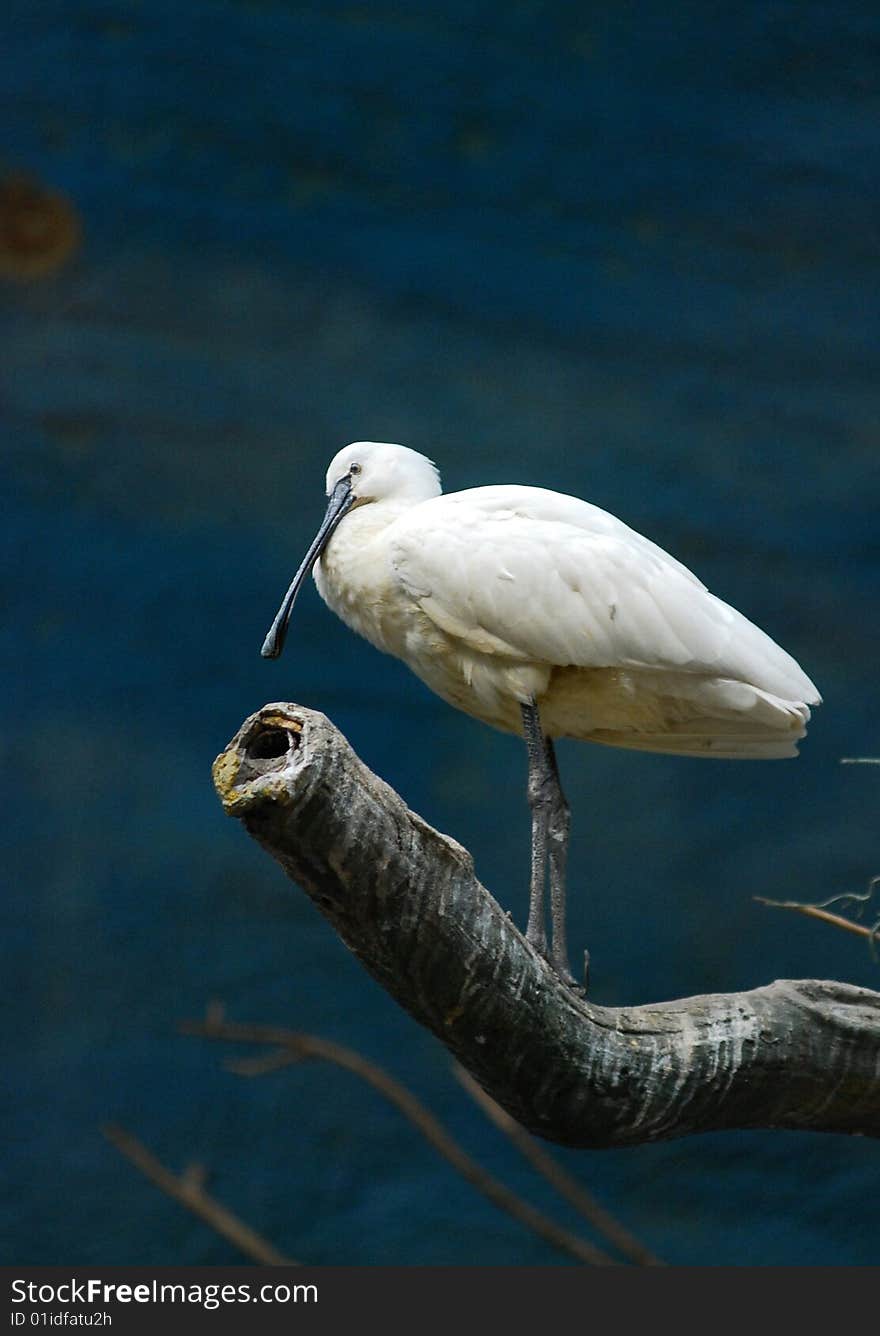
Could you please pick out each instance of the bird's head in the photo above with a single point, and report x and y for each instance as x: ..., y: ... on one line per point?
x: 380, y: 471
x: 361, y: 473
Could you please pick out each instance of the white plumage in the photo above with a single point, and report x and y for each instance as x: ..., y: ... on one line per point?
x: 499, y: 594
x: 508, y: 599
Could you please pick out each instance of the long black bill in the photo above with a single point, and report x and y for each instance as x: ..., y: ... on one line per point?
x: 340, y: 501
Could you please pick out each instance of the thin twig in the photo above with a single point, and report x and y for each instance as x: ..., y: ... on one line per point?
x: 814, y: 911
x: 296, y: 1046
x: 188, y: 1188
x: 263, y: 1065
x: 567, y: 1186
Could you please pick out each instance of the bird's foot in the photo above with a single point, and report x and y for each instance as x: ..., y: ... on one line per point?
x: 537, y: 940
x: 571, y: 983
x: 558, y: 961
x: 560, y: 966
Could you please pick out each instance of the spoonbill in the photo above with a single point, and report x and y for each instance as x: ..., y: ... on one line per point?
x: 544, y: 616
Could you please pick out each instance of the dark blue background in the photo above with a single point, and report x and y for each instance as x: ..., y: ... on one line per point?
x: 630, y: 252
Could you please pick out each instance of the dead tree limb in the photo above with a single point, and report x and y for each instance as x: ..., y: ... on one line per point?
x: 796, y: 1053
x: 819, y: 912
x: 290, y: 1046
x: 189, y: 1189
x: 559, y: 1178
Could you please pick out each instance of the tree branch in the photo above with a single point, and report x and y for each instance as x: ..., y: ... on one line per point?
x: 403, y: 897
x: 820, y: 912
x: 289, y: 1046
x: 189, y: 1189
x: 541, y: 1160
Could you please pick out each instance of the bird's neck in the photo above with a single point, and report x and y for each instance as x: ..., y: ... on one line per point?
x: 360, y: 528
x: 354, y: 573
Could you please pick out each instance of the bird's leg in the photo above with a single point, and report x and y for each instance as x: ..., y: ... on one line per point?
x: 550, y: 827
x: 536, y: 933
x: 558, y: 828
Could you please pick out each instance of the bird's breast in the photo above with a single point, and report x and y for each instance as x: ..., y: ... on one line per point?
x: 355, y: 579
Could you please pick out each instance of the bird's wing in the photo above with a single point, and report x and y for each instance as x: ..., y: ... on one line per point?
x: 537, y: 576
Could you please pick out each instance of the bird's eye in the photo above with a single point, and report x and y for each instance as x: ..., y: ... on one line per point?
x: 354, y: 469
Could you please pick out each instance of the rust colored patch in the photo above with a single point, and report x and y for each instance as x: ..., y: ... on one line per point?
x: 283, y: 721
x: 39, y: 228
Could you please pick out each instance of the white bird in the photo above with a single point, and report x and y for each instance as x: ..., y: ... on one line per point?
x: 545, y: 616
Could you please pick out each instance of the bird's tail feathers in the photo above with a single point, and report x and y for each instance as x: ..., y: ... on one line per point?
x: 760, y: 726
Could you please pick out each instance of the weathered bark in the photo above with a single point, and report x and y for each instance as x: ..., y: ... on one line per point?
x: 403, y: 897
